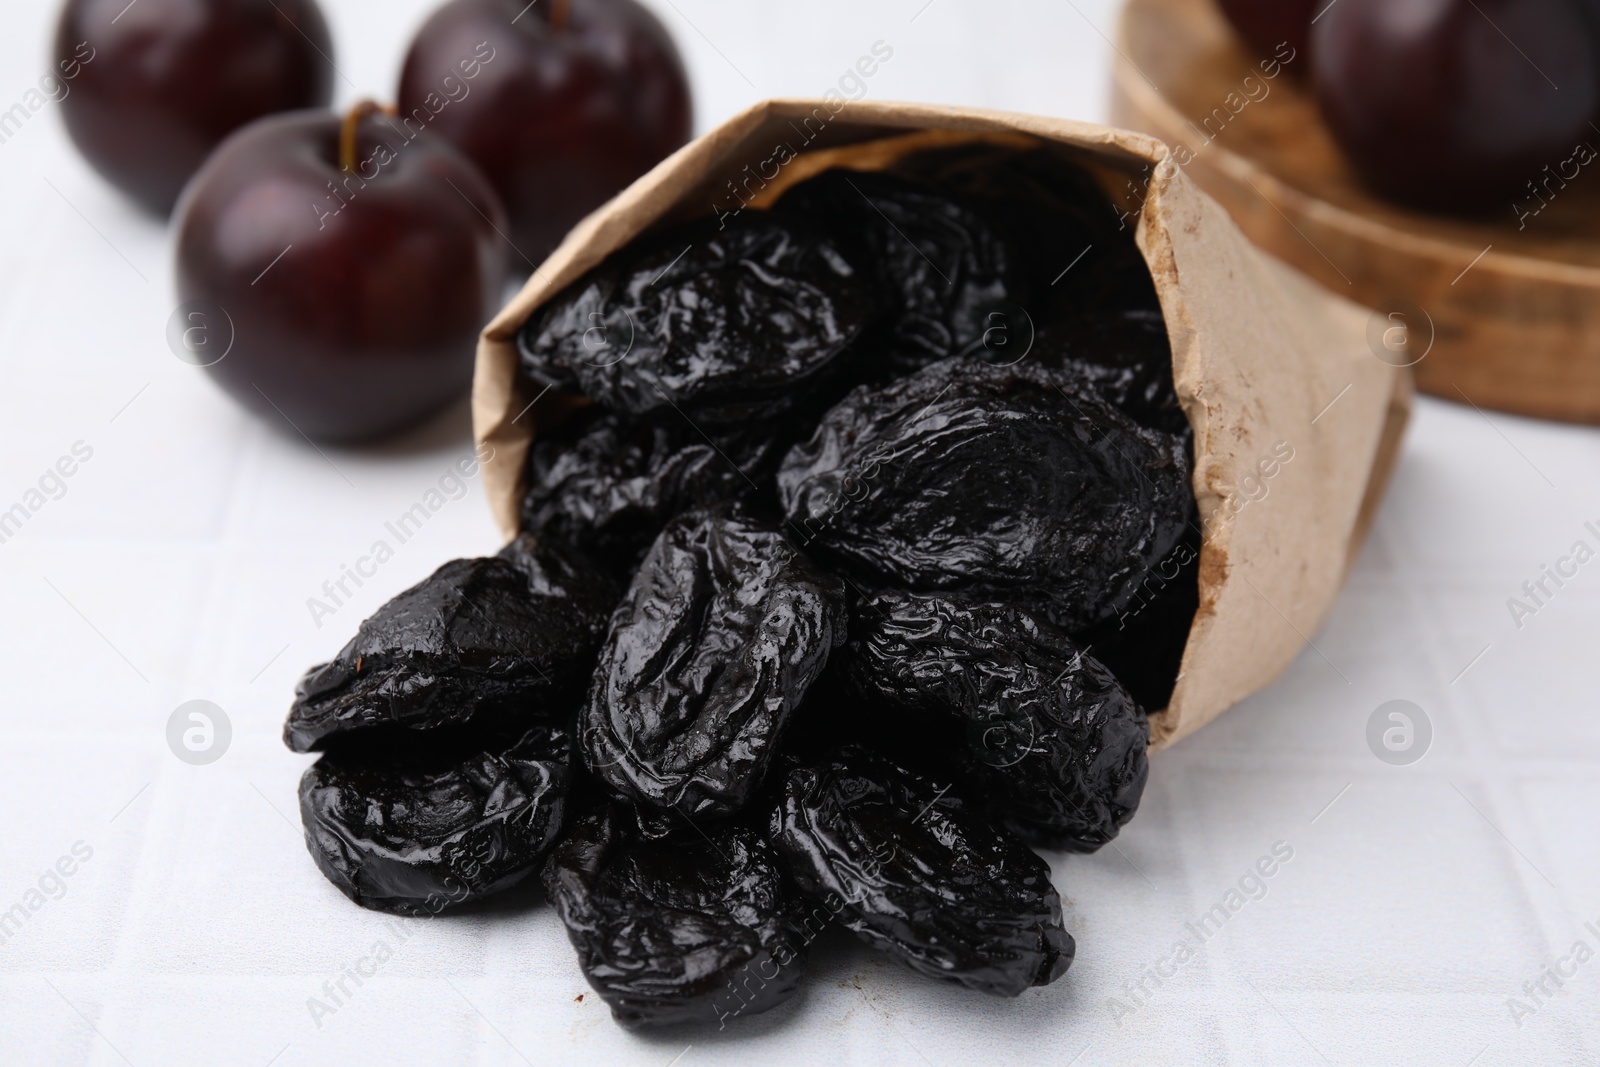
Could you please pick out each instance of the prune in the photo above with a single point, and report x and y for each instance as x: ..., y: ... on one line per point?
x: 684, y: 929
x: 713, y: 647
x: 470, y: 644
x: 918, y: 873
x: 1072, y: 251
x: 726, y: 322
x: 940, y: 267
x: 416, y: 835
x: 1125, y: 356
x: 1052, y: 740
x: 555, y: 569
x: 1143, y: 645
x: 1016, y: 483
x: 610, y: 483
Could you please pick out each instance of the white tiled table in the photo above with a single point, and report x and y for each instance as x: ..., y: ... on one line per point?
x: 178, y: 562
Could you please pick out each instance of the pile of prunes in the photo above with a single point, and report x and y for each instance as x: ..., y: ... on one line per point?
x: 857, y: 537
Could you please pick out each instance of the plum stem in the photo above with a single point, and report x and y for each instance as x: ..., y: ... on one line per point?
x: 351, y: 125
x: 559, y: 10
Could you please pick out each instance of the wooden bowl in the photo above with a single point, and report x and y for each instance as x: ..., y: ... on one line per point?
x: 1502, y: 312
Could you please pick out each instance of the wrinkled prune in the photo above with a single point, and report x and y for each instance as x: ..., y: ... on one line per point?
x: 1073, y: 252
x: 417, y: 834
x: 940, y: 267
x: 918, y: 873
x: 1126, y: 357
x: 726, y: 321
x: 610, y: 483
x: 711, y: 650
x: 471, y: 643
x: 557, y: 570
x: 1143, y: 644
x: 1010, y: 482
x: 684, y: 929
x: 1051, y: 739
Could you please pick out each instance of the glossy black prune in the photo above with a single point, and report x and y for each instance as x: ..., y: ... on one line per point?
x: 556, y: 570
x: 470, y: 644
x: 686, y: 929
x: 1073, y: 252
x: 1143, y: 644
x: 942, y: 270
x: 1125, y: 356
x: 723, y: 631
x: 725, y: 321
x: 1015, y: 483
x: 417, y: 834
x: 1049, y: 738
x: 610, y: 483
x: 918, y: 873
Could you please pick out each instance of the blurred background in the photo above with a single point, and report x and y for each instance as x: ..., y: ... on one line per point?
x: 176, y: 564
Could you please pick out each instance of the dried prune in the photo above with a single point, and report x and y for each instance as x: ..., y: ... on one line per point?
x: 556, y: 570
x: 711, y: 650
x: 472, y: 643
x: 920, y: 874
x: 1016, y: 483
x: 1049, y: 737
x: 416, y: 834
x: 941, y: 268
x: 683, y: 929
x: 610, y: 483
x: 1126, y: 357
x: 727, y: 321
x: 1143, y: 645
x: 1072, y: 251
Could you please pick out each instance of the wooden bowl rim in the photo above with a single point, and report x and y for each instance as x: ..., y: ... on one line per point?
x: 1133, y: 82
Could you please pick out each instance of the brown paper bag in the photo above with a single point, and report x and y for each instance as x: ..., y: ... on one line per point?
x: 1266, y: 364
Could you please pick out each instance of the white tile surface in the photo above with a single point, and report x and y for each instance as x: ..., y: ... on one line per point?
x: 1414, y: 907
